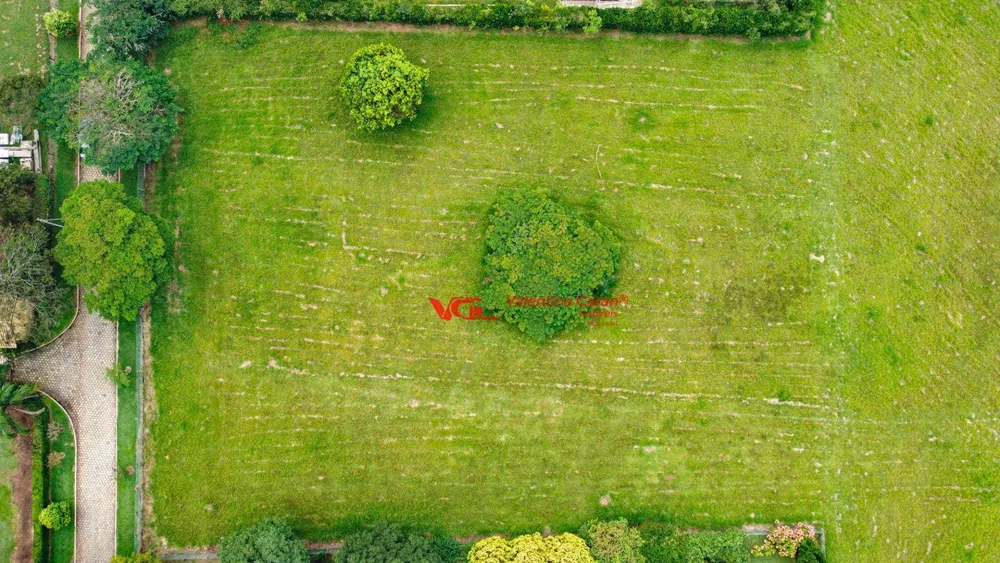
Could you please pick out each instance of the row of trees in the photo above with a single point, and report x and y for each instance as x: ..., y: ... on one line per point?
x: 31, y: 301
x: 274, y: 541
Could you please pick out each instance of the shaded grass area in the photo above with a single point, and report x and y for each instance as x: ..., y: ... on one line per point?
x: 128, y: 400
x: 61, y: 483
x: 8, y: 463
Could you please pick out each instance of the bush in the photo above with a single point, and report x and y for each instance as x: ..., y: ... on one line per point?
x: 121, y: 377
x: 24, y: 196
x: 135, y: 558
x: 715, y: 547
x: 389, y: 542
x: 565, y: 548
x: 112, y: 248
x: 55, y: 516
x: 121, y: 114
x: 784, y: 540
x: 127, y: 28
x: 18, y: 98
x: 60, y: 23
x: 809, y: 552
x: 536, y: 248
x: 613, y: 542
x: 593, y: 24
x: 270, y: 541
x: 382, y: 88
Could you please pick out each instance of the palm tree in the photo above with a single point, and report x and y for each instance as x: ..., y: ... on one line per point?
x: 16, y: 397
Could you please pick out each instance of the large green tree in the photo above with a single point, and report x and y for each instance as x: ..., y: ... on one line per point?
x: 270, y: 541
x: 128, y: 28
x: 30, y: 299
x: 18, y: 97
x: 23, y: 195
x: 382, y: 88
x: 538, y: 248
x: 31, y: 302
x: 118, y: 113
x: 112, y: 247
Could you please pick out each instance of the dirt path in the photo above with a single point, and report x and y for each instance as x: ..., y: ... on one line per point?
x: 21, y: 496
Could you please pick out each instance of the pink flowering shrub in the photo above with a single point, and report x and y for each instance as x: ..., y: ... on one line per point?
x: 784, y: 540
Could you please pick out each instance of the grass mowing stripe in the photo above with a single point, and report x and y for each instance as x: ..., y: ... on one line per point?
x: 388, y: 399
x: 810, y: 257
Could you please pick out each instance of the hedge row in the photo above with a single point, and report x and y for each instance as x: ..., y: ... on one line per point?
x: 763, y: 18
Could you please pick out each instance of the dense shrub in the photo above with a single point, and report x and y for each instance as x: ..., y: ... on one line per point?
x: 665, y: 544
x: 809, y: 552
x: 128, y: 28
x: 135, y: 558
x: 55, y: 516
x: 18, y: 97
x: 565, y: 548
x: 270, y: 541
x: 121, y: 113
x: 538, y: 248
x: 24, y: 195
x: 752, y: 19
x: 112, y: 248
x: 120, y: 376
x: 22, y: 396
x: 613, y: 542
x: 390, y: 542
x: 715, y: 547
x: 382, y: 88
x: 784, y: 540
x: 60, y: 23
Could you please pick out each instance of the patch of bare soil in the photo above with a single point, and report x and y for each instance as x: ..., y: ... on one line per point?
x: 21, y: 478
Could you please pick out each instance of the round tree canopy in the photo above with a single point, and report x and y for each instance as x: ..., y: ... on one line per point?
x: 382, y: 88
x: 538, y: 249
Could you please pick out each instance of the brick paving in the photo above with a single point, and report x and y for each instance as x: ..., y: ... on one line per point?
x: 72, y: 370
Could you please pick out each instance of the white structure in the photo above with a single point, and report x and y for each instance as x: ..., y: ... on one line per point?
x: 13, y: 148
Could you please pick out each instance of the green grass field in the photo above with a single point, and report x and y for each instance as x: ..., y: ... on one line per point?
x: 810, y: 236
x: 24, y: 45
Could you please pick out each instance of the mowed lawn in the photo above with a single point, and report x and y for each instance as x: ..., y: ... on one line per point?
x: 792, y: 347
x: 23, y: 41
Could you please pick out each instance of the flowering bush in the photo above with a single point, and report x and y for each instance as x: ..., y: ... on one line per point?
x: 784, y: 540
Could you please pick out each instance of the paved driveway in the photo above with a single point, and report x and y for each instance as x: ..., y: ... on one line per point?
x: 72, y: 370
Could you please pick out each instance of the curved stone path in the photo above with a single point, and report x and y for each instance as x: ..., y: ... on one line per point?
x: 72, y: 370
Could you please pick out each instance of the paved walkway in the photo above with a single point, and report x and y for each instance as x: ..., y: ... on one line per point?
x: 72, y: 370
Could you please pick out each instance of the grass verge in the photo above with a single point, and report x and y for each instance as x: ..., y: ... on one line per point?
x: 127, y: 434
x: 61, y: 480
